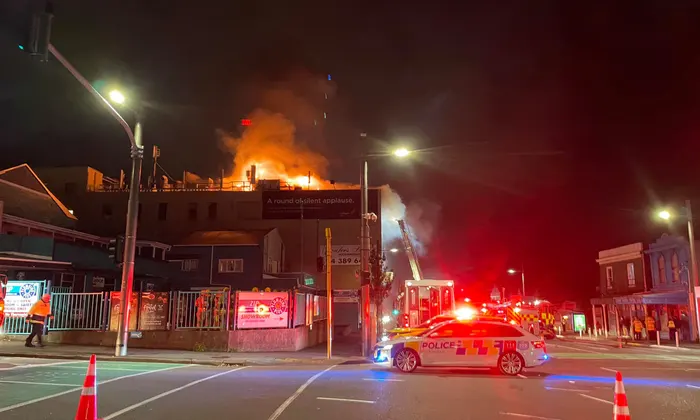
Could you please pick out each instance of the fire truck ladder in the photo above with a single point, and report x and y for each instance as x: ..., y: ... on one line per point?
x: 410, y: 252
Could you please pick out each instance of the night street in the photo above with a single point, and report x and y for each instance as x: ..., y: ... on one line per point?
x: 577, y: 384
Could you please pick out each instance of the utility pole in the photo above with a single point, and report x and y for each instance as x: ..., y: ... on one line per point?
x: 40, y: 45
x: 329, y: 296
x: 693, y: 278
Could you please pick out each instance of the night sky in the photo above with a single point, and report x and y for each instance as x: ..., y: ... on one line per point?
x: 552, y: 128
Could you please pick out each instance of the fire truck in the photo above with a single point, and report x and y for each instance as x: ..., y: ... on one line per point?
x: 536, y: 317
x: 3, y: 292
x: 422, y: 299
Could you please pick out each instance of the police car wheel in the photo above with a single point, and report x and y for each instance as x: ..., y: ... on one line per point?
x: 511, y: 363
x: 406, y: 360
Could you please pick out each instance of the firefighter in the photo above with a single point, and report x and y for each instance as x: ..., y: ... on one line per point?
x: 637, y: 326
x: 37, y: 317
x: 671, y: 328
x: 651, y: 328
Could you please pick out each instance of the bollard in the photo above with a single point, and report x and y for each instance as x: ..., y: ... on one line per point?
x: 580, y: 333
x: 678, y: 344
x: 658, y: 338
x: 589, y: 333
x: 596, y: 332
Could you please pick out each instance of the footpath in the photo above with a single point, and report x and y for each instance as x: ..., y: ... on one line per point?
x: 626, y: 341
x: 343, y: 353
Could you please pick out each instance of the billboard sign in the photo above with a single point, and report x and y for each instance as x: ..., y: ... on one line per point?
x: 343, y: 254
x: 579, y: 322
x: 115, y: 310
x: 346, y: 296
x: 262, y: 310
x: 20, y: 296
x: 316, y: 204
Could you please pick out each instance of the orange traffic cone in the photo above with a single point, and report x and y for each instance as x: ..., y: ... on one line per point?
x: 621, y: 410
x: 87, y: 407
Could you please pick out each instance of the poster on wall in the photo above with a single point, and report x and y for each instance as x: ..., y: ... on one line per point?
x: 20, y: 296
x: 262, y: 310
x: 115, y: 306
x: 343, y: 254
x: 153, y: 313
x: 579, y: 322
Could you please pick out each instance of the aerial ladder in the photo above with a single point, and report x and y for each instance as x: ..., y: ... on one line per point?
x: 423, y: 299
x: 410, y: 252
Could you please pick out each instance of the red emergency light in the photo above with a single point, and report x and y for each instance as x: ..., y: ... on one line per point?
x: 246, y: 122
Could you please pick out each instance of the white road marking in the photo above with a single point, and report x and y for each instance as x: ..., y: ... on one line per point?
x: 36, y: 383
x: 102, y: 368
x: 693, y: 386
x: 342, y: 399
x: 551, y: 388
x: 599, y: 349
x: 382, y: 380
x: 527, y: 416
x: 296, y: 394
x: 609, y: 370
x: 659, y: 368
x: 575, y: 348
x: 28, y: 366
x: 597, y: 399
x: 48, y: 397
x: 522, y: 376
x: 166, y: 393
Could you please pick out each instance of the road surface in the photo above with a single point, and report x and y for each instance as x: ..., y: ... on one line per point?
x: 577, y: 384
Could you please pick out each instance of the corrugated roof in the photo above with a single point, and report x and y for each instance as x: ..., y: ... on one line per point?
x: 24, y: 186
x: 226, y: 237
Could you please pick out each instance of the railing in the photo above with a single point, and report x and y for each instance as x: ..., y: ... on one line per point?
x: 184, y: 310
x: 77, y: 311
x: 198, y: 310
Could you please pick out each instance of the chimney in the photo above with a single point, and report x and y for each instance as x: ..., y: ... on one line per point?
x: 252, y: 175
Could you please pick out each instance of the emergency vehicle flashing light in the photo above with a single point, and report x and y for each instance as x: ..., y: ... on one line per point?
x: 465, y: 313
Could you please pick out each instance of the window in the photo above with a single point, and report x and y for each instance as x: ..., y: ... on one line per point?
x: 190, y: 265
x: 662, y: 270
x: 211, y: 212
x: 675, y: 267
x: 231, y: 265
x: 452, y: 329
x: 609, y: 277
x: 162, y: 211
x: 631, y: 279
x: 192, y: 211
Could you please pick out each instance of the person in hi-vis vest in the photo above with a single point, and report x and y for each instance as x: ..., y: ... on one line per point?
x: 37, y: 316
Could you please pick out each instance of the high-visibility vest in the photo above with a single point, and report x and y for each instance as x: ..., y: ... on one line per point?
x: 650, y: 324
x: 638, y: 326
x: 39, y: 311
x: 671, y: 324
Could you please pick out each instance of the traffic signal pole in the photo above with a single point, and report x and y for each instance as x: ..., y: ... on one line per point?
x: 133, y: 206
x: 329, y: 296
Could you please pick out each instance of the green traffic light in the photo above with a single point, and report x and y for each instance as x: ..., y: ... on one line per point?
x: 395, y: 311
x: 21, y: 47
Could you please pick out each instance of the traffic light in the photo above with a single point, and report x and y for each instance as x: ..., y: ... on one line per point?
x: 37, y: 35
x: 116, y: 249
x: 320, y: 266
x: 404, y: 320
x: 395, y: 312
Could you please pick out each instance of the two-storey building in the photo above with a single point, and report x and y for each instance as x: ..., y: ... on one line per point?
x: 623, y: 272
x: 669, y: 258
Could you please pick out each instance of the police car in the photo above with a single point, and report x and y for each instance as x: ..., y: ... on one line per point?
x: 465, y: 344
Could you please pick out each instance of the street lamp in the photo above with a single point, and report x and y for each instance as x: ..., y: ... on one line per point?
x: 365, y: 239
x: 693, y: 278
x: 117, y: 97
x: 512, y: 271
x: 127, y: 282
x: 394, y: 250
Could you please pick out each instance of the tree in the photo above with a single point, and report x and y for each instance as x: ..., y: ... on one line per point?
x: 381, y: 281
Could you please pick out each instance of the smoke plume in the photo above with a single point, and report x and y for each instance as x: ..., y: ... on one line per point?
x: 421, y: 219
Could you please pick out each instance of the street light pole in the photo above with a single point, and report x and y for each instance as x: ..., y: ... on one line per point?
x: 693, y: 278
x: 364, y: 227
x: 522, y: 277
x: 133, y: 206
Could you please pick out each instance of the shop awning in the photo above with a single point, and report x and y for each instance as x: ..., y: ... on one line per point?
x: 678, y: 297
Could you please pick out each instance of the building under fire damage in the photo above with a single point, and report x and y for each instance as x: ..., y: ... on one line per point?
x: 172, y: 212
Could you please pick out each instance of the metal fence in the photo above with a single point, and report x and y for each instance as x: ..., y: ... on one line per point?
x: 201, y: 310
x: 204, y: 310
x: 77, y: 311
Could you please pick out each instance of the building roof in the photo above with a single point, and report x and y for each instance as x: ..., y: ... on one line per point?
x: 26, y: 196
x: 225, y: 237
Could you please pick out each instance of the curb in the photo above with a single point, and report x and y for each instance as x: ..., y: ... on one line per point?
x: 629, y: 343
x: 243, y: 362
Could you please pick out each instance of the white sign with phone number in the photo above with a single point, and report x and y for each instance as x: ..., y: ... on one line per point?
x: 343, y: 254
